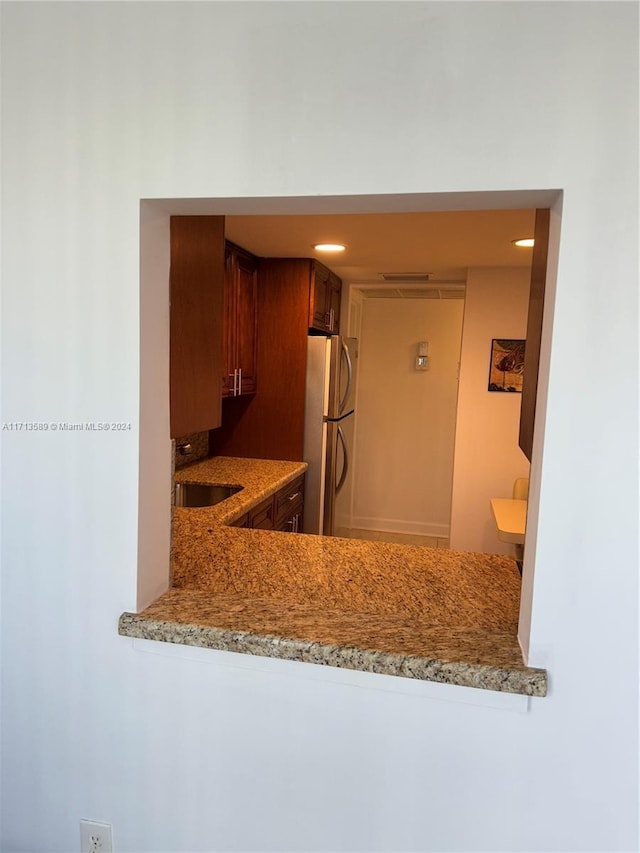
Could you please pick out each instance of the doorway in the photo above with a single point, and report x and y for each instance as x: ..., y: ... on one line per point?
x: 400, y: 481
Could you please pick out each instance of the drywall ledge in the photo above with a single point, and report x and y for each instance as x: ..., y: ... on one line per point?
x: 464, y: 657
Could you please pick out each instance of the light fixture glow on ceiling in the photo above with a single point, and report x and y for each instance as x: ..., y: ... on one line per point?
x: 329, y: 247
x: 524, y: 242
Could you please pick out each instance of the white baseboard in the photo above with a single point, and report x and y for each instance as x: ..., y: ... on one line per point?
x: 343, y: 521
x: 398, y: 525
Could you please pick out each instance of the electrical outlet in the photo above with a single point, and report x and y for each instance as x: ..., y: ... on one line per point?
x: 95, y: 837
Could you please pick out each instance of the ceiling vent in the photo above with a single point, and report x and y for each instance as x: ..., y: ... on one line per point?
x: 405, y: 277
x: 413, y: 292
x: 380, y: 293
x: 452, y: 293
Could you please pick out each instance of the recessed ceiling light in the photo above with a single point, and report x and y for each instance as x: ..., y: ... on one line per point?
x: 524, y: 242
x: 329, y: 247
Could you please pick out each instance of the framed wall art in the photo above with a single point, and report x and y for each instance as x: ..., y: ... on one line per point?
x: 506, y: 368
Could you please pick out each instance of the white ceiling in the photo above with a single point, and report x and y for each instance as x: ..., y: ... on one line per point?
x: 444, y: 244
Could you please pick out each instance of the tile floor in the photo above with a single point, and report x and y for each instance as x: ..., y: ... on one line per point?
x: 398, y: 538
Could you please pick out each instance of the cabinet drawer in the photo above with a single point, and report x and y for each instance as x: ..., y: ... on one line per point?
x: 262, y: 515
x: 243, y: 521
x: 289, y: 499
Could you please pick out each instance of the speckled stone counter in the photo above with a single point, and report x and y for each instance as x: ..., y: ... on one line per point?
x: 416, y: 612
x: 258, y: 478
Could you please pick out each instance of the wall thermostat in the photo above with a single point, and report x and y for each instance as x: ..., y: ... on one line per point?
x: 422, y: 358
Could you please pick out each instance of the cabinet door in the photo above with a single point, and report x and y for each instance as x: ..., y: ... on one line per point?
x: 262, y: 517
x: 534, y: 331
x: 319, y: 298
x: 229, y: 379
x: 335, y: 299
x: 240, y: 326
x: 325, y: 294
x: 289, y: 503
x: 246, y: 278
x: 196, y: 292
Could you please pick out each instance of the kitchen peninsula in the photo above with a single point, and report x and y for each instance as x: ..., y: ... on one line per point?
x: 401, y: 610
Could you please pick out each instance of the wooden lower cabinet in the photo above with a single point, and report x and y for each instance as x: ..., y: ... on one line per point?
x: 289, y: 503
x: 282, y: 511
x: 262, y: 517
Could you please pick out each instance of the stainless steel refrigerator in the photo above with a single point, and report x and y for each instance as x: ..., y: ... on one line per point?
x: 329, y: 418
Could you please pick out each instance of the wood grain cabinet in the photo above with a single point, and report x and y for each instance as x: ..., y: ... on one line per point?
x: 196, y: 282
x: 325, y: 292
x: 289, y: 289
x: 534, y: 331
x: 240, y: 323
x: 289, y: 503
x: 262, y: 517
x: 282, y: 511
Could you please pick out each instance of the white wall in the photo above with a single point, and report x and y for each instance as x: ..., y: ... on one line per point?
x: 405, y: 419
x: 487, y: 456
x: 105, y: 104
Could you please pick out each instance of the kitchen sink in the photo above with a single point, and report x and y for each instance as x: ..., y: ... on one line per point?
x: 203, y: 494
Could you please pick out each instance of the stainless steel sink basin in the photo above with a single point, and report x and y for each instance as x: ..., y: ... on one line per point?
x: 202, y: 494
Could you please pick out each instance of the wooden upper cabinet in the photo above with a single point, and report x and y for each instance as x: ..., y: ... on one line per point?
x: 240, y: 327
x: 271, y: 424
x: 335, y: 300
x: 534, y: 331
x: 247, y: 322
x: 196, y: 292
x: 229, y: 378
x: 325, y: 292
x: 318, y: 296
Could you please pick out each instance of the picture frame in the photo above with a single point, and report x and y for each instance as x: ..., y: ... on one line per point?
x: 506, y: 365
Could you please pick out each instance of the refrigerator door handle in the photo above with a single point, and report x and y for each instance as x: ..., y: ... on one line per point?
x: 347, y: 390
x: 345, y: 467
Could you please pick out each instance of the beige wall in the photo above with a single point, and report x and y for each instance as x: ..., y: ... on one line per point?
x: 275, y: 106
x: 487, y: 456
x: 405, y: 419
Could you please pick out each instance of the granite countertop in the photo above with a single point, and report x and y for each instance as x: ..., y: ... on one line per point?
x: 258, y: 478
x: 431, y: 614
